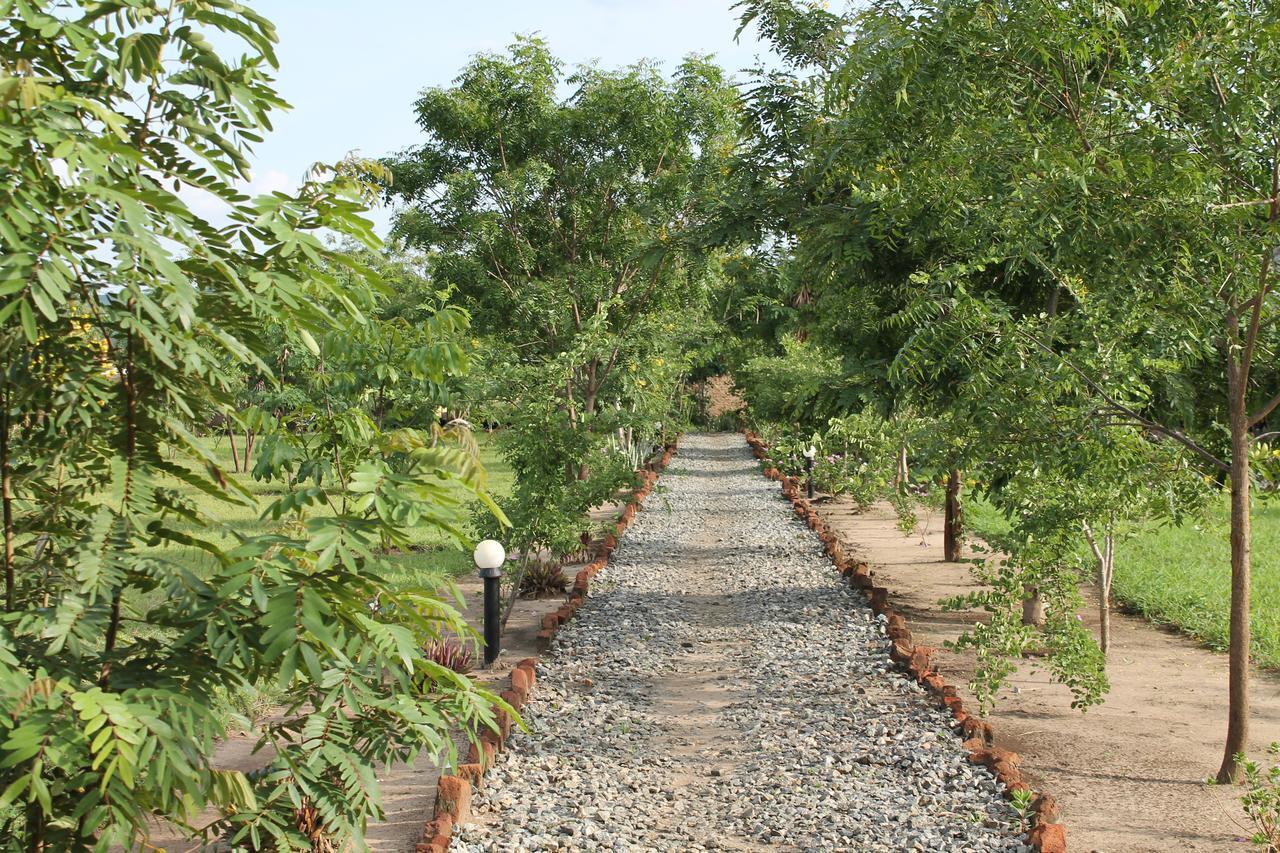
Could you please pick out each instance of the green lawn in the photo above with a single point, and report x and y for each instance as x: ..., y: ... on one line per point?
x: 433, y: 560
x: 1181, y: 576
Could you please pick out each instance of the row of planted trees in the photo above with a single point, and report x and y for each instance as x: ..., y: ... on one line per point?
x: 1023, y: 248
x: 550, y: 279
x: 1027, y: 247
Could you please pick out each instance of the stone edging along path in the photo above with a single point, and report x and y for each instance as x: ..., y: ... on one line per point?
x: 1046, y: 835
x: 453, y: 792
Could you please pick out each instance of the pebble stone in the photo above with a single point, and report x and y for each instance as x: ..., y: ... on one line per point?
x: 724, y: 689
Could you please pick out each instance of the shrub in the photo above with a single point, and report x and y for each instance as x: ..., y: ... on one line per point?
x: 1261, y: 799
x: 452, y: 655
x: 543, y: 579
x: 125, y: 320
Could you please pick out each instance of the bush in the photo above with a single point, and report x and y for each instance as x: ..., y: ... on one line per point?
x: 1261, y: 799
x: 126, y: 321
x: 542, y: 579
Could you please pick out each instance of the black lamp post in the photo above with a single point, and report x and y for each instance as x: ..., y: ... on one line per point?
x: 808, y: 466
x: 489, y: 557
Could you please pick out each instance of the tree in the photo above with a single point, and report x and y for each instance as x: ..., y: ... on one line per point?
x: 570, y: 230
x: 984, y: 180
x: 124, y: 318
x: 1132, y: 109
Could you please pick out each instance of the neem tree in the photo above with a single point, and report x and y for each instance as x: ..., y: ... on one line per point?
x: 1074, y: 197
x: 125, y: 318
x: 1143, y: 185
x: 564, y: 210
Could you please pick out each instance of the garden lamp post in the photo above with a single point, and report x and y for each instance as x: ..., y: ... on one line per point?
x: 489, y: 557
x: 808, y: 466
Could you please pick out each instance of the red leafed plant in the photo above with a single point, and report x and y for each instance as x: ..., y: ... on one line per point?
x: 451, y: 654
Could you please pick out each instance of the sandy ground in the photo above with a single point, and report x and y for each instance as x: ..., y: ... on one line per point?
x: 1129, y: 775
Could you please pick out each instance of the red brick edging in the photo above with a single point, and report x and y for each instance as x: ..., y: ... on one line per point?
x: 453, y: 792
x: 1046, y: 834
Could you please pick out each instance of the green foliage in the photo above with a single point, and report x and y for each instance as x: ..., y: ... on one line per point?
x: 571, y: 231
x: 1261, y: 799
x: 1021, y: 800
x: 855, y: 455
x: 1070, y: 653
x: 804, y: 386
x: 1046, y: 230
x: 125, y: 320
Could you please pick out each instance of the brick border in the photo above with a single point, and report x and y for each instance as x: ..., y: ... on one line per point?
x: 1046, y: 833
x: 453, y: 792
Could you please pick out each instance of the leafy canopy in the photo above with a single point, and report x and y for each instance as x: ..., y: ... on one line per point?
x: 127, y: 322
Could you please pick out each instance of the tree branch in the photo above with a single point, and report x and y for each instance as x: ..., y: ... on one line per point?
x: 1154, y: 426
x: 1267, y: 408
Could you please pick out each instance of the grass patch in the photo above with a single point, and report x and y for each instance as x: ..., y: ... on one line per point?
x: 1180, y: 577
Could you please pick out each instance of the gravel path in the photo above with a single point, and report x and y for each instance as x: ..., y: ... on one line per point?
x: 723, y: 689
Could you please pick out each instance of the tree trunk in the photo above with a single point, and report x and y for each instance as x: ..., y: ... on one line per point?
x: 517, y: 581
x: 1238, y: 653
x: 902, y: 474
x: 1104, y: 593
x: 6, y: 490
x: 1032, y: 607
x: 1104, y: 555
x: 570, y: 465
x: 953, y: 526
x: 583, y: 471
x: 235, y: 454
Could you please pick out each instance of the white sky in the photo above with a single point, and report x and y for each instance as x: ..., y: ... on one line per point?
x: 353, y: 70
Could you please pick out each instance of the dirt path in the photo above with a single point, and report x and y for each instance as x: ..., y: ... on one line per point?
x: 1130, y: 774
x: 688, y: 702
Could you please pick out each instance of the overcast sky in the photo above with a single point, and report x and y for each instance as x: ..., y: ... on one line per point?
x: 352, y: 70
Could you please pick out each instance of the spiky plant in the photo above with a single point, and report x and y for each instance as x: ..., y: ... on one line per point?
x: 543, y: 580
x: 451, y: 654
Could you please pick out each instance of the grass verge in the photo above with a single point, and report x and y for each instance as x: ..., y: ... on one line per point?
x: 1180, y: 576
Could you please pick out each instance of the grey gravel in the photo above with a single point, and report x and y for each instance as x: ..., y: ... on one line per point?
x: 723, y: 689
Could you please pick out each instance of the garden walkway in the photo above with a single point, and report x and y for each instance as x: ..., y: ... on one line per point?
x: 723, y: 688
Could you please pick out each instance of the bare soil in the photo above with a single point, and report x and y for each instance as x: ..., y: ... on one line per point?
x: 721, y: 398
x: 690, y: 700
x: 1130, y: 774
